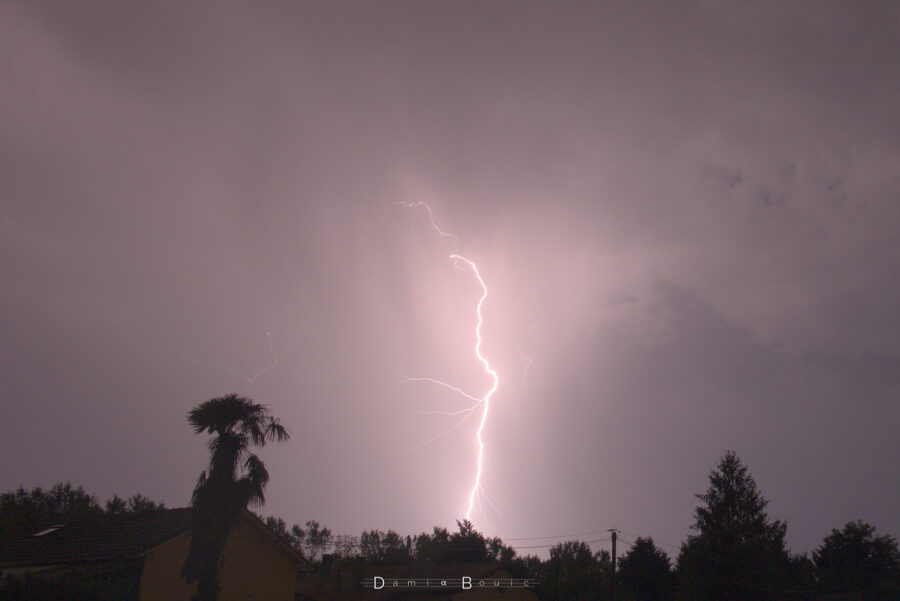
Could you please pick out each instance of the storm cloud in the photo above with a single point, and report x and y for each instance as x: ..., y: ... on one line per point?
x: 687, y: 218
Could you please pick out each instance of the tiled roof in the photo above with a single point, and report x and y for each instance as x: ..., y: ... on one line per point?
x: 97, y: 539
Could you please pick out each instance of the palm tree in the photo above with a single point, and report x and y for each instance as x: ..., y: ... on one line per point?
x: 235, y: 479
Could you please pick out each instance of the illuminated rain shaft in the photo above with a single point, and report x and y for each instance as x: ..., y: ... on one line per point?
x: 486, y: 399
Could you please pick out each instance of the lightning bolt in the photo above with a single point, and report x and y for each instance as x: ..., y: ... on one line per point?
x: 250, y: 378
x: 424, y: 205
x: 526, y: 360
x: 486, y: 399
x: 271, y: 366
x: 483, y: 401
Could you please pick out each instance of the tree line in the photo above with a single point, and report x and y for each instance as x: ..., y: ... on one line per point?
x: 23, y: 509
x: 735, y: 552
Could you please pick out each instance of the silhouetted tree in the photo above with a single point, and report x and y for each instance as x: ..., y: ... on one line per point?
x: 370, y: 547
x: 344, y: 546
x: 279, y: 527
x: 498, y: 551
x: 738, y: 554
x: 464, y: 545
x: 116, y: 505
x: 134, y: 504
x: 604, y: 562
x: 800, y: 581
x: 645, y: 573
x: 25, y: 510
x: 434, y: 547
x: 385, y: 548
x: 61, y: 499
x: 854, y: 560
x: 529, y: 566
x: 467, y: 544
x: 573, y: 572
x: 315, y: 539
x: 235, y: 479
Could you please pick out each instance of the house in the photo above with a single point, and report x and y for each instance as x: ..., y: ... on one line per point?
x: 143, y: 553
x: 417, y: 582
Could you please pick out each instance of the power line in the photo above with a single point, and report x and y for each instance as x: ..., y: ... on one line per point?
x: 599, y: 540
x: 559, y: 535
x: 506, y: 541
x: 655, y: 541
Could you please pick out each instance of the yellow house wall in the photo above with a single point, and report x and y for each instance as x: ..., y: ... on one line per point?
x: 161, y: 576
x: 252, y: 569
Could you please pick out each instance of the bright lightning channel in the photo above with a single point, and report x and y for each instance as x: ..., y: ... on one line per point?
x: 484, y: 400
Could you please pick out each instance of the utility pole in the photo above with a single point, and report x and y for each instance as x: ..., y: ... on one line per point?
x: 613, y: 531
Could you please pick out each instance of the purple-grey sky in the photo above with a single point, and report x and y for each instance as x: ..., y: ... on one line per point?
x: 688, y: 219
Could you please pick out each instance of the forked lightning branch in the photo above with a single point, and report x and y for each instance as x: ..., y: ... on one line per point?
x: 483, y: 401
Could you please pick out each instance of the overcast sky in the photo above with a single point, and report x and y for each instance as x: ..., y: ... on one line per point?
x: 687, y: 218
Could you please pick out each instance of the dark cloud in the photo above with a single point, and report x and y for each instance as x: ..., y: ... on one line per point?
x: 687, y: 219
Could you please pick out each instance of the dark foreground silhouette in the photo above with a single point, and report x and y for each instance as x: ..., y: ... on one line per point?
x: 735, y: 552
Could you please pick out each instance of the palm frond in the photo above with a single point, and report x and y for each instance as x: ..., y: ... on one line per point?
x: 202, y: 417
x: 256, y: 470
x: 253, y: 428
x: 275, y: 432
x: 249, y: 492
x: 234, y: 423
x: 225, y: 414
